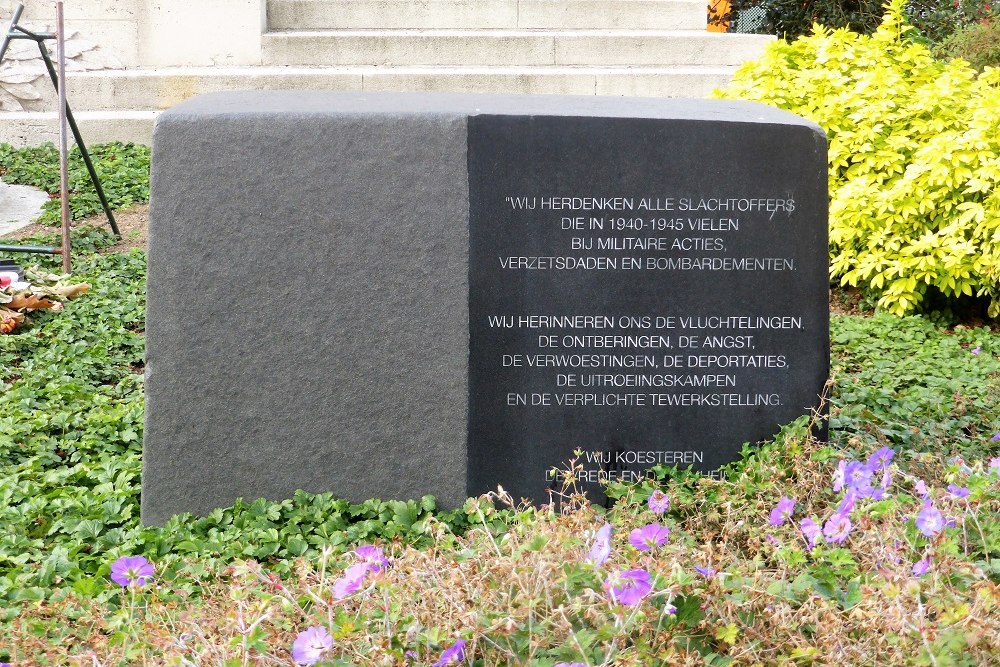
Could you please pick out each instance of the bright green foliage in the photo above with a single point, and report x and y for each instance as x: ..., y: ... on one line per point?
x: 122, y: 168
x: 914, y: 158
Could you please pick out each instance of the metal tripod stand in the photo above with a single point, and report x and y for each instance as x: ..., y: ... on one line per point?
x: 15, y: 31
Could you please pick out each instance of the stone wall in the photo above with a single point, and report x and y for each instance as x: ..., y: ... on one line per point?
x: 160, y: 33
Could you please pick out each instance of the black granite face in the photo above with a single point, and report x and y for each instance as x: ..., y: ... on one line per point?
x: 643, y: 291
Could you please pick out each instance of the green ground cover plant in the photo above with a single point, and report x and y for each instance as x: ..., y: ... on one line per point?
x: 726, y: 574
x: 880, y: 546
x: 70, y: 445
x: 122, y: 168
x: 914, y: 151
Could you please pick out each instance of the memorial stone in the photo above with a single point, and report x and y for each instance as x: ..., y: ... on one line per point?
x: 393, y: 295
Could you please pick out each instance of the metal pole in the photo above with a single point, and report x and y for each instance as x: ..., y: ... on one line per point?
x: 83, y: 147
x: 47, y: 250
x: 15, y: 31
x: 63, y: 138
x: 10, y: 30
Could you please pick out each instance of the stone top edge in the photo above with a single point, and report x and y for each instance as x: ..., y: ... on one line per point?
x: 460, y: 105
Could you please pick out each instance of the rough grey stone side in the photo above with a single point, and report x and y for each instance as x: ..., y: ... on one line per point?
x: 307, y: 304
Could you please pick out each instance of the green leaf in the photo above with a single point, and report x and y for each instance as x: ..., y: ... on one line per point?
x: 852, y: 596
x: 728, y: 633
x: 297, y: 546
x: 87, y: 587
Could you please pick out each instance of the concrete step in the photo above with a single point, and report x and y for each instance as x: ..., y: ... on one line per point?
x: 22, y: 128
x: 155, y: 89
x: 122, y: 105
x: 162, y: 88
x: 300, y: 15
x: 510, y: 47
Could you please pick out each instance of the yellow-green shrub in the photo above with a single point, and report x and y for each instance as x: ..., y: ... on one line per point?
x: 914, y: 158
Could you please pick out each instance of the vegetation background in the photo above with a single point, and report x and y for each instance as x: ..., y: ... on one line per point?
x: 879, y: 546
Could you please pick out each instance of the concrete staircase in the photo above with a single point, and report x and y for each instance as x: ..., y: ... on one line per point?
x: 656, y: 48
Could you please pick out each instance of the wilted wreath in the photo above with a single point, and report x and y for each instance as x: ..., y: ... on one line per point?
x: 34, y: 290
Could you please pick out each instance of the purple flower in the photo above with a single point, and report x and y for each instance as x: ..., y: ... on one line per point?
x: 310, y: 645
x: 454, y: 654
x: 996, y: 437
x: 858, y: 478
x: 846, y: 505
x: 670, y: 609
x: 707, y: 571
x: 958, y: 491
x: 886, y: 481
x: 133, y: 571
x: 569, y: 664
x: 929, y: 520
x: 782, y: 511
x: 659, y: 502
x: 837, y: 528
x: 351, y: 581
x: 811, y: 530
x: 629, y: 587
x: 977, y: 349
x: 881, y: 458
x: 647, y: 537
x: 921, y: 489
x: 921, y: 566
x: 839, y: 476
x: 995, y: 464
x: 373, y: 556
x: 601, y: 548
